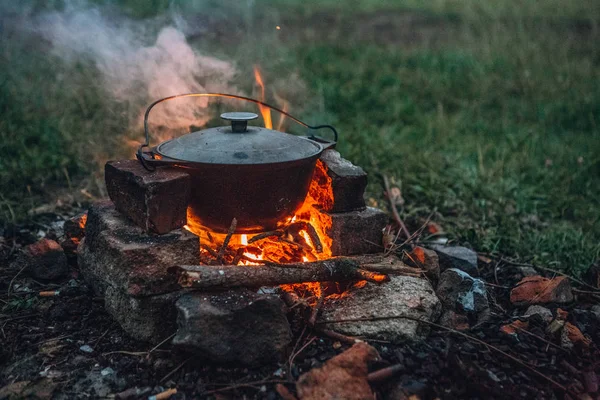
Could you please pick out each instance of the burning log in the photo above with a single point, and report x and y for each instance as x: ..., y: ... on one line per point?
x: 227, y: 276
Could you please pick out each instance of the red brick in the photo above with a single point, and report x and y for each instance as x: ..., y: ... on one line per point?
x: 156, y: 201
x: 348, y: 182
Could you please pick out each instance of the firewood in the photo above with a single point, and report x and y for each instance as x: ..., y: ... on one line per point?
x: 227, y: 276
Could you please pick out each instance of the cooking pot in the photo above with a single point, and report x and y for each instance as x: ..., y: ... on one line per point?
x: 258, y: 176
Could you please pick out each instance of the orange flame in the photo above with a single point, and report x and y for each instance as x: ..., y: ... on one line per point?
x: 265, y: 111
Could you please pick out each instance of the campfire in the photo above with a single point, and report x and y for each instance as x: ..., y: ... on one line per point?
x: 240, y: 221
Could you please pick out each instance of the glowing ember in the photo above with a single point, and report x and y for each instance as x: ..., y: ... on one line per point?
x: 265, y: 111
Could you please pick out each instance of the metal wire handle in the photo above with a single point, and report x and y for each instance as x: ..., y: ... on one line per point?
x: 140, y: 155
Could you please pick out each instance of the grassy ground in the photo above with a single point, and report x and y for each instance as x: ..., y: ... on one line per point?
x: 488, y: 112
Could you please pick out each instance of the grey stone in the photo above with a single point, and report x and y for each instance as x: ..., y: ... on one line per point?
x: 156, y: 201
x: 457, y: 257
x: 115, y: 252
x: 348, y: 182
x: 462, y: 293
x: 544, y: 313
x: 454, y: 320
x: 234, y: 327
x: 44, y: 260
x: 596, y: 311
x: 150, y: 319
x: 357, y: 232
x: 402, y: 295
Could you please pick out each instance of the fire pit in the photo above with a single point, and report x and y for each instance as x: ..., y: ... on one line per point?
x: 163, y: 270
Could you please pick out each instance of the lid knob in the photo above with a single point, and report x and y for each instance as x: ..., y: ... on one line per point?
x: 239, y: 120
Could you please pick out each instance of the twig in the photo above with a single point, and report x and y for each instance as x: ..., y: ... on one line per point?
x: 385, y: 373
x: 13, y: 279
x: 308, y: 343
x: 238, y: 256
x: 469, y: 337
x: 177, y: 368
x: 338, y: 336
x: 227, y: 239
x: 211, y: 251
x: 240, y: 385
x: 538, y: 337
x: 386, y: 183
x: 317, y: 307
x: 264, y: 235
x: 101, y: 337
x: 161, y: 343
x: 163, y: 395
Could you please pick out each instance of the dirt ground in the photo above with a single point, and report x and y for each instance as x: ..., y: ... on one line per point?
x: 68, y: 347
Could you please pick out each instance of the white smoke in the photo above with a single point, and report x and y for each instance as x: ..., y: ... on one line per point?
x: 137, y: 62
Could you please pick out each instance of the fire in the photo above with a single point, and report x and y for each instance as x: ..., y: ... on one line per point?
x: 265, y: 111
x: 305, y: 237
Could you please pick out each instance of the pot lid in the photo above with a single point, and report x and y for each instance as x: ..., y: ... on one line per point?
x: 239, y: 144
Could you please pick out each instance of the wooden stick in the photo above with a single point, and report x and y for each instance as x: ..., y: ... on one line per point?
x: 264, y: 235
x: 386, y: 183
x: 385, y: 373
x: 227, y: 239
x: 227, y: 276
x: 394, y: 268
x: 315, y: 311
x: 338, y: 336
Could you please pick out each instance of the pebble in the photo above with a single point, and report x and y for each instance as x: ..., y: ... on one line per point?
x: 86, y: 349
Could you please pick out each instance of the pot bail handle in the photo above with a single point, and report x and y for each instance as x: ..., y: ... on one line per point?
x: 143, y: 156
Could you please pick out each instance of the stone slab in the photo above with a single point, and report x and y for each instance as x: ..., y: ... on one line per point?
x: 150, y: 319
x: 233, y: 327
x: 402, y: 295
x: 117, y: 253
x: 357, y: 232
x: 156, y: 201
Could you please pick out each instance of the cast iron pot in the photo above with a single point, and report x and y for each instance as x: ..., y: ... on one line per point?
x: 258, y: 176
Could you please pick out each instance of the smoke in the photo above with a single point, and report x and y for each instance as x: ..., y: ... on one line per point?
x: 138, y: 61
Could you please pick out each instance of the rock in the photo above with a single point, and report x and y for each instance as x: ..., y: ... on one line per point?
x: 514, y: 328
x: 426, y: 259
x: 540, y: 290
x: 44, y: 260
x: 41, y: 389
x: 402, y: 295
x: 460, y: 292
x: 234, y: 327
x: 86, y: 348
x: 342, y: 377
x: 454, y: 320
x: 156, y: 201
x: 115, y: 252
x: 572, y: 336
x: 357, y: 232
x: 149, y: 318
x: 457, y: 257
x: 348, y: 182
x: 541, y: 312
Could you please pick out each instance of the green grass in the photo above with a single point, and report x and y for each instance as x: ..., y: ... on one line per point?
x: 488, y: 112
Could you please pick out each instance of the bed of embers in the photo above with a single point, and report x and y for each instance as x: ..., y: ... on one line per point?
x: 404, y: 315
